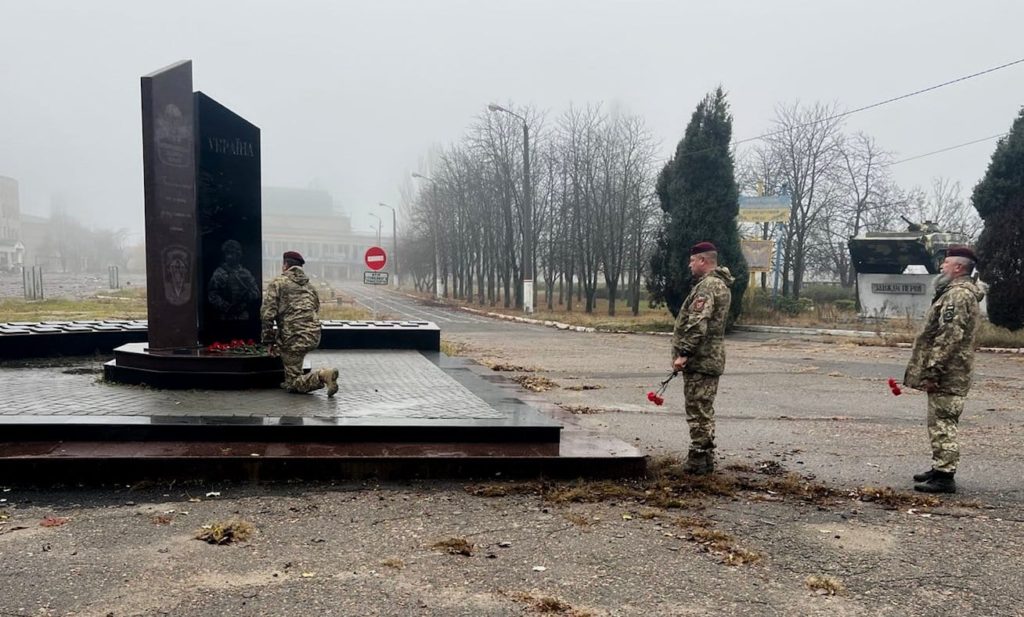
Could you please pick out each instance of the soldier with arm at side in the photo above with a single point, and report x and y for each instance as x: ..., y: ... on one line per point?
x: 698, y: 350
x: 941, y: 364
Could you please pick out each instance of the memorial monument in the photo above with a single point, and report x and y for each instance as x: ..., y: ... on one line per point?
x: 201, y: 165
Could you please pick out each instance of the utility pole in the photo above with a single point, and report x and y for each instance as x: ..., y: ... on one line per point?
x: 527, y: 213
x: 394, y: 240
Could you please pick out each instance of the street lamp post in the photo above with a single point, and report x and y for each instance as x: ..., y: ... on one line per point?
x: 527, y: 212
x: 379, y: 223
x: 433, y: 229
x: 394, y: 239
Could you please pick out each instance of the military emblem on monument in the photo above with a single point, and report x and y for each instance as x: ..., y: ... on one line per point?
x: 177, y: 268
x: 173, y: 137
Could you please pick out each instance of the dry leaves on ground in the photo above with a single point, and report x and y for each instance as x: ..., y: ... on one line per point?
x: 535, y: 383
x: 454, y: 546
x: 226, y: 532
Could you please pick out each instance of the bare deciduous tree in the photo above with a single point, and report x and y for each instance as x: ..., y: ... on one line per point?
x: 806, y: 142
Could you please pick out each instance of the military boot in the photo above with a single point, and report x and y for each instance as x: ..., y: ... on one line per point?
x: 924, y: 476
x: 329, y: 376
x: 699, y: 463
x: 939, y: 482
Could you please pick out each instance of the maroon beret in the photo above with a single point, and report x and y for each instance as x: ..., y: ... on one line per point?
x: 295, y: 257
x: 961, y: 251
x: 703, y: 247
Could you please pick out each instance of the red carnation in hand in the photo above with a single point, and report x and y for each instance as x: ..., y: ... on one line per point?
x: 895, y: 387
x: 654, y: 398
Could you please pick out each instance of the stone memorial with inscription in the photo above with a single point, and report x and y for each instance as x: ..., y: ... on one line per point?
x: 201, y: 166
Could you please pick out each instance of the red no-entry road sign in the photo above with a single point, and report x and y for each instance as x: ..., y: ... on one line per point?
x: 375, y: 258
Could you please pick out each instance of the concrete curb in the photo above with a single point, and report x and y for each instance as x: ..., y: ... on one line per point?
x: 815, y: 331
x: 855, y: 334
x: 741, y: 328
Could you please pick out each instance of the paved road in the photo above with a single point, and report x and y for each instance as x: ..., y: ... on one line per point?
x: 364, y: 548
x: 821, y: 406
x: 393, y: 304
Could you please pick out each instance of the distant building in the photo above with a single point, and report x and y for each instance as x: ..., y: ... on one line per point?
x: 306, y: 221
x: 12, y: 250
x: 39, y: 247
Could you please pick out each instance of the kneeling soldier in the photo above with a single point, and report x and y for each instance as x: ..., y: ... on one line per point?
x: 293, y: 306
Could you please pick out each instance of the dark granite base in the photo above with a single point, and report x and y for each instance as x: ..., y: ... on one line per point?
x: 192, y: 369
x: 579, y: 455
x: 23, y: 340
x: 399, y: 414
x: 532, y: 429
x: 418, y: 335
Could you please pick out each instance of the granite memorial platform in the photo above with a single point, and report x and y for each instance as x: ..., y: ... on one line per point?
x: 397, y: 413
x: 168, y: 406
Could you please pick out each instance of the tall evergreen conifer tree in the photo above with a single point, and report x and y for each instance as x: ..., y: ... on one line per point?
x: 698, y: 194
x: 999, y: 200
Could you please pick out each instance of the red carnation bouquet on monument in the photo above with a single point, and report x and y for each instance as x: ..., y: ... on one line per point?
x: 894, y: 386
x: 237, y: 346
x: 655, y: 396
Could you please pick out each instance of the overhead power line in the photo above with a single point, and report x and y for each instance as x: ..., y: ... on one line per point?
x: 967, y: 143
x: 872, y: 106
x: 889, y: 100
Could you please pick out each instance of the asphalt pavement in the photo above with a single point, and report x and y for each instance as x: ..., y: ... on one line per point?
x: 860, y: 543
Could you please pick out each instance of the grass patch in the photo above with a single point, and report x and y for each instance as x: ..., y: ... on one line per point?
x: 226, y: 532
x: 990, y: 335
x: 123, y: 304
x: 451, y: 348
x: 454, y: 546
x: 825, y: 585
x: 344, y: 312
x: 126, y: 306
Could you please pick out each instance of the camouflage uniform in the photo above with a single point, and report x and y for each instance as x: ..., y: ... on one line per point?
x: 293, y: 306
x: 944, y: 354
x: 699, y: 335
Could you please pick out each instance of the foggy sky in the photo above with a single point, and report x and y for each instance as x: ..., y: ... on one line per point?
x: 350, y: 96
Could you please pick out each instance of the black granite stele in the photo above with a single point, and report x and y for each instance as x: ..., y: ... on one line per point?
x: 228, y: 214
x: 169, y: 178
x: 203, y: 238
